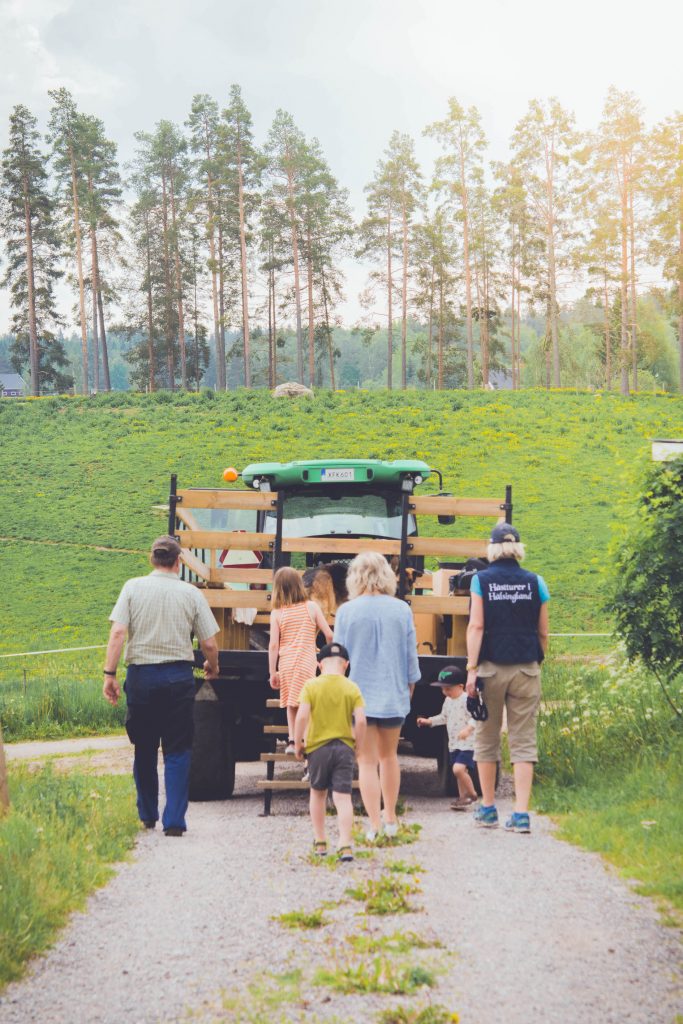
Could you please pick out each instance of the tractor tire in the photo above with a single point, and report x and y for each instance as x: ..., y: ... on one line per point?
x: 212, y: 770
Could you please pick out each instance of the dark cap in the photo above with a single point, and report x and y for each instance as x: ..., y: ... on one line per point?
x: 502, y: 532
x: 451, y: 675
x: 333, y: 650
x: 166, y: 546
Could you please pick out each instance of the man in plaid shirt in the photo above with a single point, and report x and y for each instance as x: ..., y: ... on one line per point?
x: 159, y: 613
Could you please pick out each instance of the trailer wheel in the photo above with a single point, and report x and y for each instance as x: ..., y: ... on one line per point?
x: 212, y: 771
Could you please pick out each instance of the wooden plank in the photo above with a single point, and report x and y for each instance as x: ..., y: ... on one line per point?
x: 433, y: 505
x: 221, y: 498
x: 195, y: 564
x: 273, y: 702
x: 431, y: 605
x: 279, y: 757
x: 258, y: 599
x: 219, y: 539
x: 466, y: 547
x: 186, y: 517
x: 242, y: 575
x: 276, y: 730
x: 341, y: 545
x: 290, y: 783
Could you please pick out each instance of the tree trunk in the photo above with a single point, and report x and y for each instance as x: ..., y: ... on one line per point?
x: 179, y: 287
x: 79, y: 267
x: 608, y: 340
x: 328, y: 332
x: 33, y: 352
x: 103, y: 333
x: 404, y: 299
x: 221, y: 374
x: 440, y: 338
x: 430, y: 331
x: 297, y: 291
x: 274, y: 333
x: 94, y: 281
x: 311, y: 317
x: 271, y: 342
x: 243, y: 267
x: 466, y: 263
x: 390, y: 308
x: 150, y: 313
x: 170, y: 359
x: 212, y: 257
x: 634, y: 297
x: 624, y: 354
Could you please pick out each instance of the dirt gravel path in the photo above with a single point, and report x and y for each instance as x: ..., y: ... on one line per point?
x: 534, y: 931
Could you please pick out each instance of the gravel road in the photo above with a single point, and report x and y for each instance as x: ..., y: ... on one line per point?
x: 534, y: 931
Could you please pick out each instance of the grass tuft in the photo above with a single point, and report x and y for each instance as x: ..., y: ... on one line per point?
x: 385, y: 895
x: 377, y: 975
x: 302, y: 919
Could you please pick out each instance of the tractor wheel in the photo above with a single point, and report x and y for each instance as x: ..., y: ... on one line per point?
x: 212, y: 771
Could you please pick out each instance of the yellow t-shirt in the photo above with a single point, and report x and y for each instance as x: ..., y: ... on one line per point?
x: 332, y: 700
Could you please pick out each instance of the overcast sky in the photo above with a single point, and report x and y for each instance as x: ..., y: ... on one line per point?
x: 349, y: 71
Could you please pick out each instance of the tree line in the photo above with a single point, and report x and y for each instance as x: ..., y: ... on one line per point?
x: 211, y: 247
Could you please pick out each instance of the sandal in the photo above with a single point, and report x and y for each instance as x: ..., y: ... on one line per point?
x: 320, y: 847
x: 345, y: 854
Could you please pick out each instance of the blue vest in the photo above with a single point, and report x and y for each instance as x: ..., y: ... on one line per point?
x: 512, y: 605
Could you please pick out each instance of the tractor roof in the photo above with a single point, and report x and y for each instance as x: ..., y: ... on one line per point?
x: 335, y: 471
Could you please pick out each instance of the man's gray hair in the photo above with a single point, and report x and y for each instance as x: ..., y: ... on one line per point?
x: 165, y: 552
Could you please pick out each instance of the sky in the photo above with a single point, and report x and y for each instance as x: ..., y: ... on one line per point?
x: 350, y: 71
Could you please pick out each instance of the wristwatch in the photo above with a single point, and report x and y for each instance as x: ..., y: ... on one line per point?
x: 471, y: 668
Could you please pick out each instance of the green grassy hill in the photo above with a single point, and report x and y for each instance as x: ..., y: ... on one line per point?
x: 81, y: 479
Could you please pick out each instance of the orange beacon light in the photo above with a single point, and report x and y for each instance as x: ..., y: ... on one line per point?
x: 230, y: 474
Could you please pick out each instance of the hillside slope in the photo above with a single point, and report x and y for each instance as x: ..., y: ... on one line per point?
x: 81, y: 479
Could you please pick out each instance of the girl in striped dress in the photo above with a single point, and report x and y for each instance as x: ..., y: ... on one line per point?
x: 294, y: 624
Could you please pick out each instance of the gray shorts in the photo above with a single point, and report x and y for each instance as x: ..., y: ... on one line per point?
x: 331, y: 767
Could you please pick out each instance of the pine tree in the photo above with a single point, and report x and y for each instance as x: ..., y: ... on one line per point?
x: 99, y: 209
x: 66, y: 134
x: 241, y: 169
x: 665, y: 187
x: 33, y: 251
x: 286, y: 152
x: 457, y: 173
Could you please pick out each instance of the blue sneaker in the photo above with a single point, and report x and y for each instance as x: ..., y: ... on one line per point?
x: 487, y: 817
x: 518, y: 822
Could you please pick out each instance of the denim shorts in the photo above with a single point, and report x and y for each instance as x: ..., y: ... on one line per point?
x: 465, y: 757
x: 385, y: 723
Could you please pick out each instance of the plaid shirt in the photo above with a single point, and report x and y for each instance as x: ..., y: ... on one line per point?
x: 160, y: 611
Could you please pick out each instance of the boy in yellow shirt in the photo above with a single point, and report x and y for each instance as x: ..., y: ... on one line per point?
x: 330, y: 715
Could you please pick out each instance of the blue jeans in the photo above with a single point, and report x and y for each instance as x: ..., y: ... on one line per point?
x: 160, y: 711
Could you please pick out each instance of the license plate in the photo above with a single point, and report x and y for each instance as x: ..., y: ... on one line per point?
x: 336, y: 475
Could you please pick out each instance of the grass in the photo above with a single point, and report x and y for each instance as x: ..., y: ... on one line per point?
x: 380, y: 974
x: 402, y: 867
x: 57, y: 844
x: 396, y: 942
x: 611, y: 771
x: 433, y: 1014
x: 303, y: 919
x: 385, y: 895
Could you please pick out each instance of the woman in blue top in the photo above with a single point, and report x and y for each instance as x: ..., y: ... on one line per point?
x: 377, y: 630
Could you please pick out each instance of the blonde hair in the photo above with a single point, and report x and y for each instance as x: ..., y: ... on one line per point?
x: 369, y: 573
x: 508, y: 549
x: 288, y: 588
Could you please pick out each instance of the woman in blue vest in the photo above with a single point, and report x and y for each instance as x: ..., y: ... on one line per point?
x: 506, y: 640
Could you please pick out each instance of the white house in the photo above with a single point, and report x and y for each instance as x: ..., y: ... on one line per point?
x: 12, y: 385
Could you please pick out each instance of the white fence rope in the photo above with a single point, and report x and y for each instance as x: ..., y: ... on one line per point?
x: 98, y: 647
x: 57, y: 650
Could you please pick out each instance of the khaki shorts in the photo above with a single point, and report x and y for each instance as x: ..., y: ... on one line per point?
x: 517, y: 688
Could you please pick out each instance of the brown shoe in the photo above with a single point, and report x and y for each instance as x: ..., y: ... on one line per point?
x: 462, y: 803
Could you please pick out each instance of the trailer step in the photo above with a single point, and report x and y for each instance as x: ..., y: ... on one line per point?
x: 278, y: 730
x: 289, y: 784
x: 280, y: 757
x: 273, y: 702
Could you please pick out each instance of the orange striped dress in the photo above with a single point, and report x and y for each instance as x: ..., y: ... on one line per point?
x: 296, y: 656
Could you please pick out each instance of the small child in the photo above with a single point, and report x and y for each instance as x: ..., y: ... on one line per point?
x: 330, y: 716
x: 294, y: 624
x: 460, y: 728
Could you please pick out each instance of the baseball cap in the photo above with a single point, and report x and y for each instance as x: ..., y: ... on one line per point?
x: 451, y: 675
x: 333, y: 650
x: 502, y: 532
